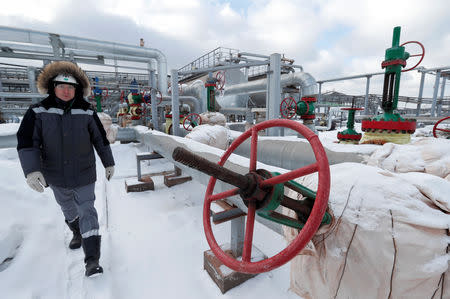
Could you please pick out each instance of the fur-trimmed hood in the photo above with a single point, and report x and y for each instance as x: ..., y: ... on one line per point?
x: 62, y: 67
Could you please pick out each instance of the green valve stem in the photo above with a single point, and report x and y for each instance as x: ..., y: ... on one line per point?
x: 351, y: 119
x: 211, y: 95
x: 98, y: 100
x: 395, y: 59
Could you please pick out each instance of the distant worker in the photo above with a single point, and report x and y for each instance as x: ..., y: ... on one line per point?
x: 55, y: 144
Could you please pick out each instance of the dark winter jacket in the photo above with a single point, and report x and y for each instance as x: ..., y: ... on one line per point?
x: 59, y: 142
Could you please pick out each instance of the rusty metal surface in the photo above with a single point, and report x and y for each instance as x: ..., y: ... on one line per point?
x: 172, y: 180
x: 197, y: 162
x: 225, y: 281
x: 139, y: 186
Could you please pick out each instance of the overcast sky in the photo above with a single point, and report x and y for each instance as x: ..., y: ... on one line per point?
x: 329, y: 38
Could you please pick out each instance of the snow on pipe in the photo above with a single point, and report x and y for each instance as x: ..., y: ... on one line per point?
x: 305, y: 80
x: 70, y: 42
x: 275, y: 154
x: 165, y: 145
x: 292, y: 154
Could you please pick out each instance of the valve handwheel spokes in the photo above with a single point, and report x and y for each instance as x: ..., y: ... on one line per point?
x: 158, y: 98
x: 288, y: 107
x: 435, y: 128
x: 192, y: 120
x: 263, y: 187
x: 421, y: 55
x: 105, y: 92
x: 220, y: 76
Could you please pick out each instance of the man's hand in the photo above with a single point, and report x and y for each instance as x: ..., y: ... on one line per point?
x: 36, y: 181
x: 109, y: 172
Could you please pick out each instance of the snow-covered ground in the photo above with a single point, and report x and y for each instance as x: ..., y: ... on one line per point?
x: 152, y: 242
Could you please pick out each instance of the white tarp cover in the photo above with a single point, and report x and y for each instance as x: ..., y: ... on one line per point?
x: 212, y: 135
x: 430, y: 155
x: 388, y: 238
x: 213, y: 118
x: 111, y: 130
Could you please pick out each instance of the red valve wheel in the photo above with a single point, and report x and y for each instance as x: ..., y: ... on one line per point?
x: 180, y: 88
x: 122, y: 95
x: 305, y: 234
x: 220, y: 76
x: 105, y: 92
x: 422, y: 55
x: 288, y: 107
x: 158, y: 98
x: 191, y: 121
x: 435, y: 128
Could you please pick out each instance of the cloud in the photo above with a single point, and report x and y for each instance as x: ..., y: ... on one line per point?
x: 330, y: 38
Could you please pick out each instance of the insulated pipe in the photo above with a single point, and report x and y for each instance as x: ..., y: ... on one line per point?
x: 193, y: 102
x: 441, y: 68
x: 19, y: 95
x: 419, y: 97
x: 435, y: 92
x: 165, y: 144
x: 292, y: 154
x: 274, y: 100
x: 439, y: 107
x: 197, y: 90
x: 152, y: 82
x: 70, y: 42
x: 175, y: 104
x: 46, y: 49
x: 305, y: 80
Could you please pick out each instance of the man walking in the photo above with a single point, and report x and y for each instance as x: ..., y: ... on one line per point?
x: 55, y: 144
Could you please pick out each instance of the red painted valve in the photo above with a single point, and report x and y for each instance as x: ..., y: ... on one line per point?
x: 288, y: 107
x: 191, y: 121
x: 105, y: 92
x: 158, y: 98
x: 262, y: 188
x: 435, y: 127
x: 220, y: 76
x: 414, y: 55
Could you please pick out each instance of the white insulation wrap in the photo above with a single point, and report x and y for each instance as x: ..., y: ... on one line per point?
x: 429, y: 155
x: 388, y: 238
x: 111, y: 130
x: 216, y: 136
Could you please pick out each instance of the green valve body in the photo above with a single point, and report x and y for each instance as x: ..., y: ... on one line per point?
x: 275, y: 201
x: 305, y: 108
x: 98, y: 100
x: 211, y: 95
x: 395, y: 59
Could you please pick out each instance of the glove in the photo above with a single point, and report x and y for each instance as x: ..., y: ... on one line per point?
x: 36, y: 180
x: 109, y: 172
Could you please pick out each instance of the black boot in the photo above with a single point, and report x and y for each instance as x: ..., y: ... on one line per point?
x: 91, y: 247
x: 75, y: 228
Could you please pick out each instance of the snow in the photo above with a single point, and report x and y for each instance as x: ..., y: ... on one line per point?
x: 213, y: 135
x: 9, y: 129
x: 153, y: 241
